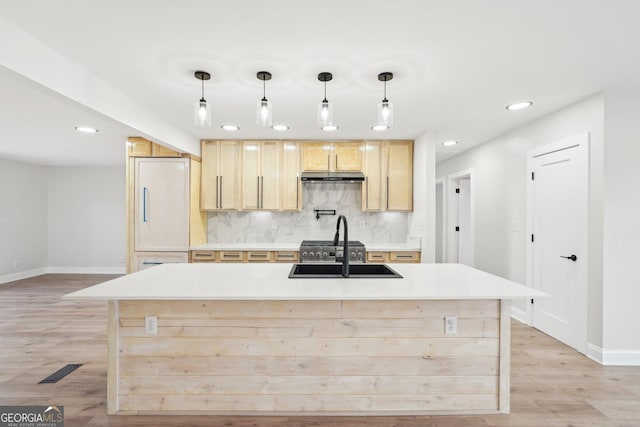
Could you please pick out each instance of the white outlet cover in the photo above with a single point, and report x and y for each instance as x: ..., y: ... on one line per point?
x: 450, y: 325
x: 151, y: 325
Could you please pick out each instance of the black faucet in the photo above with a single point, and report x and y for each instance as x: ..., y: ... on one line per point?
x: 345, y: 248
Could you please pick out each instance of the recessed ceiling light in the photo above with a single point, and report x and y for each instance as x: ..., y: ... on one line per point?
x: 379, y: 128
x: 449, y: 143
x: 519, y: 105
x: 86, y: 129
x: 329, y: 128
x: 280, y: 127
x: 230, y: 127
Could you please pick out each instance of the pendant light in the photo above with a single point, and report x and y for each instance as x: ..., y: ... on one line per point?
x: 325, y: 109
x: 264, y: 111
x: 385, y: 108
x: 202, y: 110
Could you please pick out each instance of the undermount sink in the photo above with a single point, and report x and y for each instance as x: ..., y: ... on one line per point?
x: 334, y: 271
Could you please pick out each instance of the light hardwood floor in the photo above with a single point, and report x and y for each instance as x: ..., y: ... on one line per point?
x: 551, y: 384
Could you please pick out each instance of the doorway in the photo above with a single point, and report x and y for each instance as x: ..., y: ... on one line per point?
x: 557, y: 254
x: 440, y: 221
x: 460, y: 224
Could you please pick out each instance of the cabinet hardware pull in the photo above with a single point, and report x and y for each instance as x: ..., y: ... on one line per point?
x: 217, y: 191
x: 144, y: 204
x: 328, y: 161
x: 404, y: 256
x: 258, y: 192
x: 152, y: 263
x: 366, y: 183
x: 336, y: 162
x: 297, y: 192
x: 387, y: 193
x: 220, y: 193
x: 204, y: 254
x: 262, y: 192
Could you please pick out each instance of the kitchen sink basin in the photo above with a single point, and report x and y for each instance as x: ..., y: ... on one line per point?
x: 334, y: 271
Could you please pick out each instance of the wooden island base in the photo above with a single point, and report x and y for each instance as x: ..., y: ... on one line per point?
x: 309, y: 357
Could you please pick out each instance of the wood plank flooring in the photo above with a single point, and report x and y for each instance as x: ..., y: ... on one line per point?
x: 551, y: 384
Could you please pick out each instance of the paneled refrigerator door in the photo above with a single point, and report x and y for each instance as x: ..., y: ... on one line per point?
x: 161, y: 204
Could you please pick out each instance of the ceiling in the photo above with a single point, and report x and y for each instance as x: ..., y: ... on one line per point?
x: 456, y: 66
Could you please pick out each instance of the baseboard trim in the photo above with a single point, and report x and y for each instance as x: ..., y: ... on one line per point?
x: 59, y: 270
x: 520, y: 315
x: 613, y: 357
x: 86, y: 270
x: 23, y: 275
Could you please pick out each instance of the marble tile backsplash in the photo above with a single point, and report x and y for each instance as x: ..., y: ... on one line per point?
x: 293, y: 227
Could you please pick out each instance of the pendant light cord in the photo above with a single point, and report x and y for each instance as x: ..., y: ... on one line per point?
x: 385, y: 89
x: 325, y: 92
x: 264, y: 90
x: 202, y: 80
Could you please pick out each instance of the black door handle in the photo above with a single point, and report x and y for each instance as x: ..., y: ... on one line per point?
x: 572, y: 257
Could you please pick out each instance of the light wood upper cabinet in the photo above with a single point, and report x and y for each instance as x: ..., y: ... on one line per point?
x: 347, y: 156
x: 220, y: 175
x: 400, y: 176
x: 140, y: 147
x: 316, y: 156
x: 388, y: 169
x: 290, y: 176
x: 331, y: 156
x: 260, y: 175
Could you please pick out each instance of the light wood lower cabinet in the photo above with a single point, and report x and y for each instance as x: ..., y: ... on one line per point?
x: 244, y: 256
x: 393, y: 256
x: 144, y: 260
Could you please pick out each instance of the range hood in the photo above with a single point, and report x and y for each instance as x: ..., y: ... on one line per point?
x: 332, y: 177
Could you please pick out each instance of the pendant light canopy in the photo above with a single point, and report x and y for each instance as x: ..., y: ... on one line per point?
x: 264, y: 110
x: 325, y: 109
x: 202, y: 110
x: 385, y: 108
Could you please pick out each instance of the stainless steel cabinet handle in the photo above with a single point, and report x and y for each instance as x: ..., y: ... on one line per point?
x: 366, y: 182
x: 258, y: 192
x: 387, y: 192
x: 220, y: 192
x: 328, y: 161
x: 217, y: 191
x: 145, y: 190
x: 297, y: 192
x: 262, y: 192
x: 152, y: 263
x: 336, y: 162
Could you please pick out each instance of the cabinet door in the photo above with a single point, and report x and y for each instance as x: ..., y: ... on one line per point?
x: 161, y: 204
x: 210, y: 176
x: 158, y: 150
x: 400, y: 176
x: 229, y: 175
x: 138, y: 147
x: 347, y: 156
x: 269, y: 175
x: 372, y: 188
x: 290, y: 176
x: 144, y: 260
x: 316, y: 156
x: 250, y: 175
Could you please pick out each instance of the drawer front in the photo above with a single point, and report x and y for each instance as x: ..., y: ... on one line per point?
x: 144, y: 260
x: 259, y: 256
x: 203, y: 256
x: 287, y: 256
x: 404, y: 257
x: 231, y: 256
x: 377, y: 256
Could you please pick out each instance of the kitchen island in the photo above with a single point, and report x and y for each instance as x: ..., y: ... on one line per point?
x: 245, y: 339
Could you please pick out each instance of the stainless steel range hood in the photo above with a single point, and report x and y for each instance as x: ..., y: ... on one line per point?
x: 332, y: 177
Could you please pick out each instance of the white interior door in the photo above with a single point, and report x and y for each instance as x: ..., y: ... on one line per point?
x: 161, y: 204
x: 559, y: 262
x: 465, y: 249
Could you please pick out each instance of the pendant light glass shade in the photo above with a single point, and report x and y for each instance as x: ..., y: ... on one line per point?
x: 264, y: 109
x: 202, y: 110
x: 384, y: 116
x: 325, y: 113
x: 385, y: 113
x: 325, y: 109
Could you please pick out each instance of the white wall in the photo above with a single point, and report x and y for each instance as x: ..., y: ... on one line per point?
x: 60, y: 220
x: 23, y: 219
x: 86, y: 219
x: 499, y: 185
x: 621, y: 227
x: 423, y: 217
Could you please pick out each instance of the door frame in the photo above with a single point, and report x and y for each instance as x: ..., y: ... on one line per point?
x: 452, y: 216
x: 443, y: 231
x: 581, y: 140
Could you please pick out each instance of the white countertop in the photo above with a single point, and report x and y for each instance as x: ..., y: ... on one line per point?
x: 414, y: 246
x: 221, y: 281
